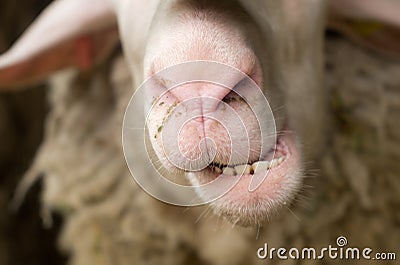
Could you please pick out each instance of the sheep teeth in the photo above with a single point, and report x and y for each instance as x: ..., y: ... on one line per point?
x: 243, y: 169
x: 217, y: 169
x: 260, y: 166
x: 256, y: 167
x: 229, y: 171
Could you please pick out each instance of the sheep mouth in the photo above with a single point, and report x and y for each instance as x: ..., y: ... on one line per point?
x: 276, y: 158
x: 279, y: 155
x: 252, y: 207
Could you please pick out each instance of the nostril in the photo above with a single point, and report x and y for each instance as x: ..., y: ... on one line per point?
x: 231, y: 97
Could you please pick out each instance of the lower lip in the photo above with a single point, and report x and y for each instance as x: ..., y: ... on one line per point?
x: 246, y: 206
x: 286, y: 145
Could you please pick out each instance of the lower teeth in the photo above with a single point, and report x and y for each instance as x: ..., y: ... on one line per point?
x: 256, y: 167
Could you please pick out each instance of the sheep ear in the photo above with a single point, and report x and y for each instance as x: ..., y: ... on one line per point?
x: 370, y: 23
x: 68, y: 33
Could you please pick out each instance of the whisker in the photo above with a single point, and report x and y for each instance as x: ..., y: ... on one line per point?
x: 202, y: 214
x: 295, y: 216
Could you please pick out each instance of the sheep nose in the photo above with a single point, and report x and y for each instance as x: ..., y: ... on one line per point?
x: 204, y: 96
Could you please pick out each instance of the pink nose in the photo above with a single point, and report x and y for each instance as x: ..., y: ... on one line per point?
x: 207, y: 95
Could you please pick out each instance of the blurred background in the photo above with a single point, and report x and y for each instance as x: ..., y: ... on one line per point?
x: 23, y: 238
x: 98, y: 216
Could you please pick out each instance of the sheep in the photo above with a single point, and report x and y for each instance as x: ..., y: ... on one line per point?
x: 99, y: 193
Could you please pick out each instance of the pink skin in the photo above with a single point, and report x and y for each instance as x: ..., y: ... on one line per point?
x: 281, y: 184
x: 194, y: 34
x: 197, y: 129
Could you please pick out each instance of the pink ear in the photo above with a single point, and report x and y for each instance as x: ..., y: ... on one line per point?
x: 68, y: 33
x: 370, y: 23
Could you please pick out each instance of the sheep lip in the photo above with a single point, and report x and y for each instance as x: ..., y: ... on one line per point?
x: 277, y: 156
x: 250, y: 207
x: 286, y: 147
